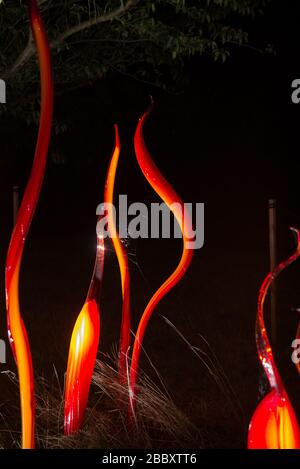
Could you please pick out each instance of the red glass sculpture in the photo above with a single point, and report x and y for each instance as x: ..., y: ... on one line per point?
x: 16, y: 329
x: 122, y: 260
x: 173, y: 201
x: 83, y: 349
x: 85, y: 337
x: 274, y: 424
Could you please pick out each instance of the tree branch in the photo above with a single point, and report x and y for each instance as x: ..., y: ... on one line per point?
x: 93, y: 22
x: 29, y: 50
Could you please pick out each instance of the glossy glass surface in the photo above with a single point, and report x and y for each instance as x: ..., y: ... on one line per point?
x: 161, y: 186
x: 274, y: 424
x: 16, y: 328
x: 86, y: 333
x: 122, y: 260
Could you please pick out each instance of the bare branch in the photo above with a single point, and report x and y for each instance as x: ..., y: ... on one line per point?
x: 93, y: 22
x: 21, y: 59
x: 29, y: 50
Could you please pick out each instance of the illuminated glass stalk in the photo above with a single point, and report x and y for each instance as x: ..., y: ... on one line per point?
x: 122, y: 259
x: 83, y: 349
x: 161, y: 186
x: 274, y: 424
x: 16, y: 329
x: 85, y: 337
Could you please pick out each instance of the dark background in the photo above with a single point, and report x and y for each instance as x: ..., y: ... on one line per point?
x: 228, y: 140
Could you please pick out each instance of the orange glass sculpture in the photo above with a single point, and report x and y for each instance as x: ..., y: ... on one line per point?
x: 85, y: 337
x: 83, y: 349
x: 16, y: 328
x: 122, y: 260
x: 173, y: 201
x: 274, y: 424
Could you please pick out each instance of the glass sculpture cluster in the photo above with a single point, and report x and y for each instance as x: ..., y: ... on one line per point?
x: 86, y: 333
x: 274, y: 424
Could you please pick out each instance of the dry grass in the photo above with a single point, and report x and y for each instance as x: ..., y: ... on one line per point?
x: 158, y: 423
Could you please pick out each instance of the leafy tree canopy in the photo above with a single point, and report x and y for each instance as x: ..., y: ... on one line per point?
x: 149, y: 40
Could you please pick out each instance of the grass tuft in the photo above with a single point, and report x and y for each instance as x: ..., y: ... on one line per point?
x: 158, y: 422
